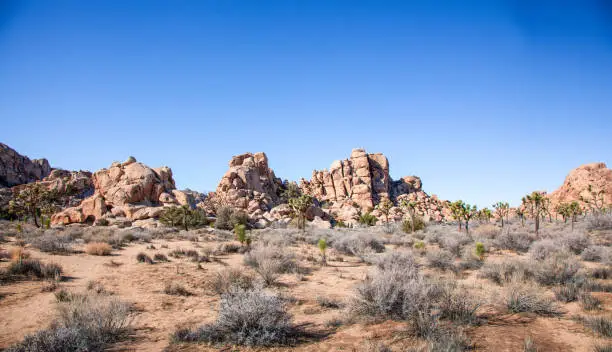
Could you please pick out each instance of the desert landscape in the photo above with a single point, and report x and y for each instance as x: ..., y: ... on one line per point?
x: 350, y: 260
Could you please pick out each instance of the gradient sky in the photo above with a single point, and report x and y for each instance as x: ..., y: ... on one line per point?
x: 484, y: 100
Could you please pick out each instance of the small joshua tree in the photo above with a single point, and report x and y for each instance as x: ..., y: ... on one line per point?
x: 240, y: 232
x: 323, y: 247
x: 410, y: 207
x: 501, y: 211
x: 573, y: 210
x: 299, y: 207
x: 384, y: 207
x: 520, y: 212
x: 485, y: 215
x: 468, y: 213
x: 595, y: 201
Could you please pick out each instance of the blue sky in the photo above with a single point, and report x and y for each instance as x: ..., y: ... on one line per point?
x: 484, y: 100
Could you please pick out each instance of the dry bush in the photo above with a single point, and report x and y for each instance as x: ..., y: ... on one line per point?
x: 160, y: 257
x: 595, y: 254
x: 558, y: 268
x: 449, y: 340
x: 327, y: 302
x: 34, y: 268
x: 486, y: 231
x: 441, y: 259
x: 601, y: 325
x: 144, y: 258
x: 360, y: 244
x: 246, y: 317
x: 599, y: 221
x: 525, y: 297
x: 575, y: 242
x: 601, y: 273
x: 544, y: 248
x: 516, y: 241
x: 228, y: 248
x: 51, y: 243
x: 176, y: 289
x: 505, y: 271
x: 602, y: 348
x: 270, y: 262
x: 589, y: 302
x: 568, y: 292
x: 98, y: 248
x: 85, y: 323
x: 230, y: 278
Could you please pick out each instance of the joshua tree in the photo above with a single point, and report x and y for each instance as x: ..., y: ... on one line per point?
x: 535, y: 205
x: 384, y: 207
x: 299, y: 207
x: 410, y: 207
x: 563, y: 210
x: 520, y: 212
x: 573, y: 211
x: 457, y: 210
x: 595, y: 201
x: 33, y: 200
x: 501, y: 210
x: 485, y: 215
x: 323, y: 247
x: 468, y: 213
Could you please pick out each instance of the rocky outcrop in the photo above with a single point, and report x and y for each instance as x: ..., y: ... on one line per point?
x: 249, y: 185
x: 129, y: 190
x: 356, y: 185
x: 16, y: 169
x: 576, y: 184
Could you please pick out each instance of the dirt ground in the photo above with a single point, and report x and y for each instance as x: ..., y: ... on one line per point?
x: 25, y: 308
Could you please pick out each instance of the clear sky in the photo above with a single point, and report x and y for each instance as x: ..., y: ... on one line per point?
x: 484, y: 100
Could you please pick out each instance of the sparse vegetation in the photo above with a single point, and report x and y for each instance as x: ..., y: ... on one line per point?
x: 98, y: 248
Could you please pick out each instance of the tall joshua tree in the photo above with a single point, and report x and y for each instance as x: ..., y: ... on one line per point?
x: 501, y: 211
x: 299, y: 207
x: 33, y: 200
x: 535, y: 205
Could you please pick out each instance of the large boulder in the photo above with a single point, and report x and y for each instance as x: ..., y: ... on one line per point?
x: 356, y: 185
x: 249, y: 184
x: 16, y: 169
x: 576, y: 184
x: 130, y: 189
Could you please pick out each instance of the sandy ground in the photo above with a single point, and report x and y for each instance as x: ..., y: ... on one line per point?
x: 24, y: 308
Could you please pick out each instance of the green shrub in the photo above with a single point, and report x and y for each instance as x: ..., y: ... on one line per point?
x: 480, y: 250
x: 367, y: 219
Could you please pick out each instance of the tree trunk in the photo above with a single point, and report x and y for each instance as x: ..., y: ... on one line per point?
x: 502, y: 219
x: 537, y: 224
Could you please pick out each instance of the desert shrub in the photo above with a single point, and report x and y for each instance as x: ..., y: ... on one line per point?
x: 269, y: 262
x: 86, y: 323
x: 589, y: 302
x: 568, y: 292
x: 176, y: 289
x: 360, y: 245
x: 441, y: 259
x: 595, y: 253
x: 486, y: 231
x: 420, y: 245
x: 470, y: 260
x: 505, y: 271
x: 398, y: 260
x: 419, y: 224
x: 558, y: 268
x: 144, y: 258
x: 230, y: 278
x: 601, y: 273
x: 239, y: 217
x: 599, y: 221
x: 95, y: 286
x: 543, y: 248
x: 246, y: 317
x: 601, y: 325
x: 228, y: 217
x: 160, y: 257
x: 522, y: 297
x: 575, y: 242
x: 516, y: 241
x: 34, y: 268
x: 98, y: 248
x: 51, y: 243
x: 227, y: 248
x: 455, y: 305
x: 327, y: 302
x: 367, y: 219
x: 602, y: 348
x: 448, y: 340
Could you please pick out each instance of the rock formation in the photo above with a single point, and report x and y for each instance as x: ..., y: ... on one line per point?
x: 577, y: 182
x: 359, y: 183
x: 16, y: 169
x: 128, y: 190
x: 249, y: 184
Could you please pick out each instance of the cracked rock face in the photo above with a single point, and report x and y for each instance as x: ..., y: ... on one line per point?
x: 16, y: 169
x: 362, y: 181
x: 578, y: 180
x: 129, y: 190
x: 249, y: 184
